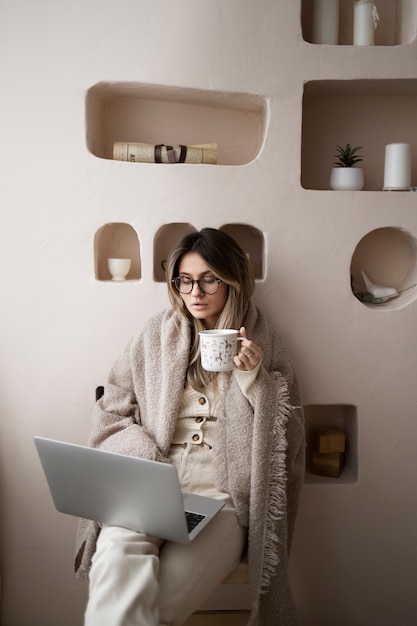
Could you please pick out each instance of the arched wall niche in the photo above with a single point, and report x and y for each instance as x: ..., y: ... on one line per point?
x: 252, y: 240
x: 165, y: 239
x: 120, y: 241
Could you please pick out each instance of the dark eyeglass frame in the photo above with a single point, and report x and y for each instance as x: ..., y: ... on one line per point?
x: 176, y: 282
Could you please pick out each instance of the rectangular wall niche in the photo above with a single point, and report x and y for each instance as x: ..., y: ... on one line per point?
x: 396, y: 25
x: 344, y: 417
x: 367, y: 113
x: 133, y: 112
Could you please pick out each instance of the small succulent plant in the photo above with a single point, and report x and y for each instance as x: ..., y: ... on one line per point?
x: 347, y: 156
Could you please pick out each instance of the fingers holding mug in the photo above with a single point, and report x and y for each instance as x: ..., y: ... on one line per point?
x: 223, y: 349
x: 246, y: 359
x: 249, y: 355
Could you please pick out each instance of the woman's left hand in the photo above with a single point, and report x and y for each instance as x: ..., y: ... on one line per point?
x: 249, y: 355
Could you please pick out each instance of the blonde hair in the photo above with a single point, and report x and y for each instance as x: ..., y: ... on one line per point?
x: 227, y: 261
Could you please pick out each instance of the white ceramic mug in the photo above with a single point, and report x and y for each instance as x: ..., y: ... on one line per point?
x: 218, y: 347
x: 119, y: 268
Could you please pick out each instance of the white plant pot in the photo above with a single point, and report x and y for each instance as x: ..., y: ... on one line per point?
x: 347, y: 178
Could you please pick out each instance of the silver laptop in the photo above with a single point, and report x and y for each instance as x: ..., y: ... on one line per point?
x: 126, y: 491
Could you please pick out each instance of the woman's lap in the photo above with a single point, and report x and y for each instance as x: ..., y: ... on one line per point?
x: 140, y: 579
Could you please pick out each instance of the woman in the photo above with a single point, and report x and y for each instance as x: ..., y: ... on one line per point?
x: 237, y: 436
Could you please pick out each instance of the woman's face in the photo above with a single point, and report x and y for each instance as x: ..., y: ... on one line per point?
x: 202, y: 306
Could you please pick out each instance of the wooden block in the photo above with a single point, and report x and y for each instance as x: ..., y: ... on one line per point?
x: 328, y: 440
x: 327, y: 464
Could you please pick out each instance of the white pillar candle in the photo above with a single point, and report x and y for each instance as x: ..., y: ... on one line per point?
x: 326, y: 22
x: 397, y: 169
x: 365, y: 19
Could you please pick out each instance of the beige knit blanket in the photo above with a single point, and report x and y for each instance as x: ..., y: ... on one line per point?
x: 260, y: 454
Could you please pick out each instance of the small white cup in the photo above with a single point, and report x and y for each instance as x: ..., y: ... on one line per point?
x: 218, y: 347
x: 119, y: 268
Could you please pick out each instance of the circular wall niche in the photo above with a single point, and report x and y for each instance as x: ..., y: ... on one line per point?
x: 388, y: 256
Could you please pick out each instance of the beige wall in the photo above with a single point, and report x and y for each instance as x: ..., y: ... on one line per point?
x: 354, y: 557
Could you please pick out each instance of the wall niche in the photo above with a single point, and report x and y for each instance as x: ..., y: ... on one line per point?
x: 250, y: 238
x: 252, y: 241
x: 396, y: 25
x: 388, y: 256
x: 340, y: 416
x: 116, y: 241
x: 165, y: 239
x: 152, y: 114
x: 368, y: 113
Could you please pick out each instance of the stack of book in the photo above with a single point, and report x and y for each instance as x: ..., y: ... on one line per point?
x: 329, y: 452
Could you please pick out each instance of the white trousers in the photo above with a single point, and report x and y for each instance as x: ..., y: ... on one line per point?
x: 138, y: 580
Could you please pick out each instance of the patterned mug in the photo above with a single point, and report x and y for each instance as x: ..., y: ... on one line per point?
x: 218, y: 347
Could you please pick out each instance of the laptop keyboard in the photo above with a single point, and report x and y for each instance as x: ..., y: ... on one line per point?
x: 193, y: 519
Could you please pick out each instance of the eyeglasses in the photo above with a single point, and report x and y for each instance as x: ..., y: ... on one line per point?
x: 208, y: 284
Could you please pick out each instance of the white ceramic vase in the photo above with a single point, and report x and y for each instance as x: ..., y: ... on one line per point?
x: 347, y: 178
x: 119, y: 268
x: 365, y: 21
x: 326, y: 22
x: 397, y: 167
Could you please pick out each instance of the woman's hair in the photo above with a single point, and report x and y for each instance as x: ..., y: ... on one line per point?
x: 227, y: 261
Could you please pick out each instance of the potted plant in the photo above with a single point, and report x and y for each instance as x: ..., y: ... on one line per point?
x: 345, y: 175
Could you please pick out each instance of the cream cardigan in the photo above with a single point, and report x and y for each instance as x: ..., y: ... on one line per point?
x: 260, y: 452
